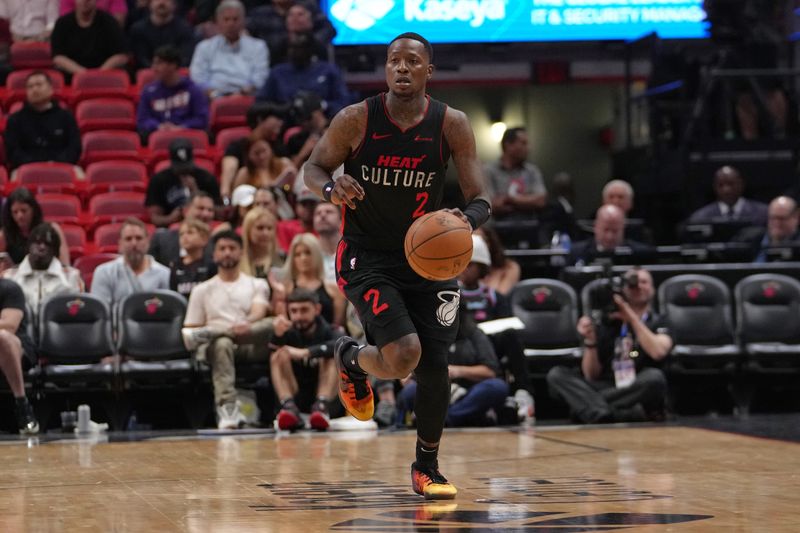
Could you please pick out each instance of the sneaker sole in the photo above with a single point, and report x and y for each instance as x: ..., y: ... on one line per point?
x: 318, y: 421
x: 369, y: 410
x: 287, y: 421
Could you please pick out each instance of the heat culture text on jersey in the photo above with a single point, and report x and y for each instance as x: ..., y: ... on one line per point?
x: 397, y: 171
x: 402, y: 172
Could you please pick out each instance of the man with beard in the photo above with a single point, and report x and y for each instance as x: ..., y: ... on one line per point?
x: 225, y: 316
x: 41, y: 274
x: 134, y: 271
x: 302, y: 368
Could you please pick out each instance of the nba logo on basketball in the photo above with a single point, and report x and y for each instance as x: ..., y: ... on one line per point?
x: 446, y: 312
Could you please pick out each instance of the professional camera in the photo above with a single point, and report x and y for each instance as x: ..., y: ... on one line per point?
x: 601, y: 297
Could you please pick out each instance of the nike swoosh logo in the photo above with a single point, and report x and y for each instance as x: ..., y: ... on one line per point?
x: 377, y: 137
x: 426, y: 139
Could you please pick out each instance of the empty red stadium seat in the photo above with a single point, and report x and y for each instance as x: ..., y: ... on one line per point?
x: 88, y: 263
x: 159, y: 140
x: 104, y: 145
x: 122, y: 175
x: 106, y: 114
x: 61, y: 208
x: 34, y: 55
x: 115, y: 207
x: 96, y: 83
x: 76, y: 240
x: 46, y: 177
x: 3, y: 172
x: 229, y: 112
x: 228, y: 135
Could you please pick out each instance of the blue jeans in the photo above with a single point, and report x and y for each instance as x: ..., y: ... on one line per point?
x: 469, y: 410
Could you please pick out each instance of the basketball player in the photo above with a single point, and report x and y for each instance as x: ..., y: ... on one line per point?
x: 394, y: 147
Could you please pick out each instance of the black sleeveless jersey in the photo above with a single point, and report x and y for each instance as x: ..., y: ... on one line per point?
x: 402, y: 172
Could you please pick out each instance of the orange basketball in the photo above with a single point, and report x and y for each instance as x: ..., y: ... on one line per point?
x: 438, y: 245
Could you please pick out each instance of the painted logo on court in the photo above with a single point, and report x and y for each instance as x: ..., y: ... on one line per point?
x: 361, y: 14
x: 447, y: 311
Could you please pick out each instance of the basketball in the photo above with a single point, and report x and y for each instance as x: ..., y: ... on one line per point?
x: 438, y: 245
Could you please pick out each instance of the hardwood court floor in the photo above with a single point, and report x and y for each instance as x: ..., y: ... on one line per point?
x: 529, y: 479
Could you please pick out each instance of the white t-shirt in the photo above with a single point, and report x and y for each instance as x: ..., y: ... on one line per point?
x: 219, y: 304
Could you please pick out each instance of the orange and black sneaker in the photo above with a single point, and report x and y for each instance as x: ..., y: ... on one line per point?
x: 429, y: 482
x: 355, y: 391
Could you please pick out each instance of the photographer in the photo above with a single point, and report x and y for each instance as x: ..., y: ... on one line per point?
x: 618, y: 380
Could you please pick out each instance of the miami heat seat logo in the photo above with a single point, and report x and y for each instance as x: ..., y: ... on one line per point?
x: 447, y: 311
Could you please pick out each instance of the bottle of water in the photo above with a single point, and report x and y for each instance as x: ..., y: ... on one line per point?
x: 560, y: 241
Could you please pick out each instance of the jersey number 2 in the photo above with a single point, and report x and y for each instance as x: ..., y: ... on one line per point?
x: 422, y: 198
x: 375, y: 294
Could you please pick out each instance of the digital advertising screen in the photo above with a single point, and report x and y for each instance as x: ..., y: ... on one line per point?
x: 486, y: 21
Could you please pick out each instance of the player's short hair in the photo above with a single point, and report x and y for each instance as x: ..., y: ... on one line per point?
x: 416, y: 37
x: 302, y: 295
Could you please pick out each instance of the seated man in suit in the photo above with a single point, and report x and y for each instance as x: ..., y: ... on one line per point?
x: 730, y: 205
x: 781, y: 230
x: 609, y: 241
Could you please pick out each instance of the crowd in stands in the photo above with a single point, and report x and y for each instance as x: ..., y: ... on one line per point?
x: 229, y: 226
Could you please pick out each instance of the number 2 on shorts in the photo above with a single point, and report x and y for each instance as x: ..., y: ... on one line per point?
x: 375, y: 294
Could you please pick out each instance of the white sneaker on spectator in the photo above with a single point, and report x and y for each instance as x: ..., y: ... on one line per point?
x: 525, y: 406
x: 456, y: 393
x: 229, y: 416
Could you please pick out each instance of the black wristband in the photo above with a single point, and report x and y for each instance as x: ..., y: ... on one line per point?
x: 327, y: 190
x: 477, y: 212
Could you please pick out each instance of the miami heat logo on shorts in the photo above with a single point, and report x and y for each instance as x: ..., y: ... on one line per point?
x: 447, y: 312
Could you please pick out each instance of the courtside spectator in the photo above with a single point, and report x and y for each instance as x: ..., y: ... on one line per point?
x: 224, y: 320
x: 88, y: 38
x: 618, y: 379
x: 483, y: 303
x: 22, y: 213
x: 172, y: 101
x: 41, y: 274
x: 169, y: 190
x: 265, y: 122
x: 261, y: 256
x: 302, y: 368
x: 730, y: 205
x: 232, y: 62
x: 31, y: 20
x: 42, y: 130
x: 475, y: 387
x: 165, y: 244
x: 327, y: 226
x: 302, y: 72
x: 117, y: 8
x: 781, y: 230
x: 516, y: 185
x: 161, y: 27
x: 17, y: 352
x: 504, y: 272
x: 609, y: 241
x: 193, y: 266
x: 133, y: 271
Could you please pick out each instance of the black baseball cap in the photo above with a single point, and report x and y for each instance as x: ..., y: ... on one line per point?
x: 181, y: 154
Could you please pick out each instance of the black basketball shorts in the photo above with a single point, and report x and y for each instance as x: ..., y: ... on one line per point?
x: 392, y: 300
